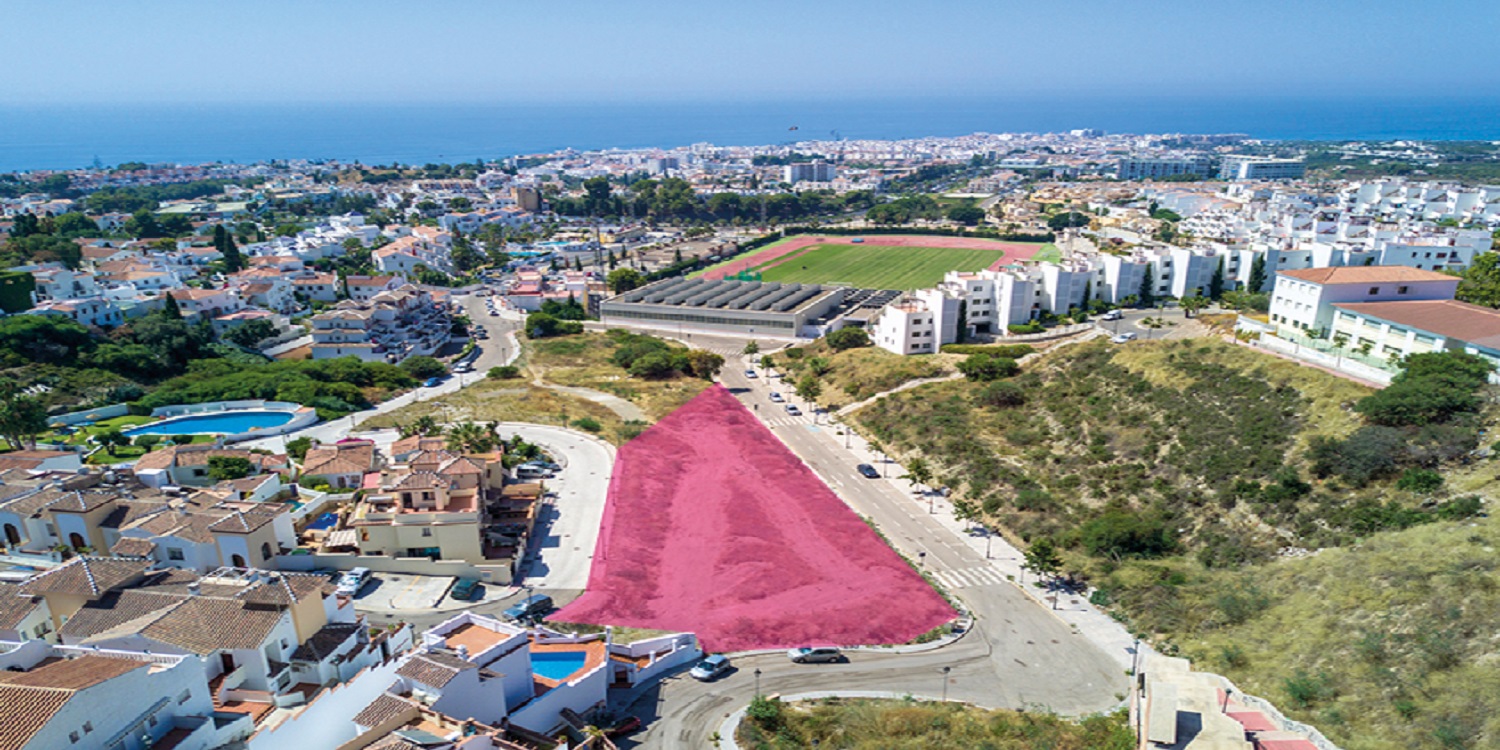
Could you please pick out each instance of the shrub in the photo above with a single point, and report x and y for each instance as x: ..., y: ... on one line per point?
x: 632, y: 429
x: 504, y: 372
x: 1119, y: 534
x: 422, y: 368
x: 146, y: 441
x: 848, y: 338
x: 984, y: 367
x: 654, y: 365
x: 1304, y: 690
x: 1002, y: 395
x: 298, y: 448
x: 1420, y: 481
x: 765, y: 712
x: 1014, y: 351
x: 1032, y: 327
x: 314, y: 482
x: 588, y: 424
x: 223, y: 468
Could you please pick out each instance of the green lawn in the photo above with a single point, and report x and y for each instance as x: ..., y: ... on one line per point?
x: 1049, y: 253
x: 878, y: 266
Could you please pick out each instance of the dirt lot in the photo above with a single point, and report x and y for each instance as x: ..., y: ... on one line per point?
x: 713, y: 526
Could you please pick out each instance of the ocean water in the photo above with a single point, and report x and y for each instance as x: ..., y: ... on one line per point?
x: 64, y: 136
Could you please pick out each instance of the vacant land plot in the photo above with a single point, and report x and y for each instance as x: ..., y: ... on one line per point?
x: 877, y: 266
x: 713, y: 526
x: 583, y: 361
x: 900, y: 724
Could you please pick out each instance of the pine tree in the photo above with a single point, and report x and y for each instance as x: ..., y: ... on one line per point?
x: 1257, y: 274
x: 233, y: 260
x: 1148, y: 286
x: 169, y: 308
x: 1216, y: 283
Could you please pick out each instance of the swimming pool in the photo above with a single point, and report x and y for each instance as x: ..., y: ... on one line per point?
x: 325, y: 521
x: 557, y: 665
x: 223, y: 423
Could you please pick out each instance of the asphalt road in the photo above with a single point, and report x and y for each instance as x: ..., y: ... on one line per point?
x: 1019, y: 654
x: 561, y: 549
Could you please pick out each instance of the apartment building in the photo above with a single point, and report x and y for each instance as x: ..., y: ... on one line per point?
x: 1239, y: 167
x: 391, y: 326
x: 1304, y: 300
x: 433, y: 505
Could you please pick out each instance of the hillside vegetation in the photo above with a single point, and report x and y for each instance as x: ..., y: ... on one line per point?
x: 1188, y: 482
x: 854, y: 374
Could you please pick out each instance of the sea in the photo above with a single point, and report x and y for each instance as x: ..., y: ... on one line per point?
x: 60, y: 136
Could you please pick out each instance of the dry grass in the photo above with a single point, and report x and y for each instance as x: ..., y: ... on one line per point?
x: 858, y: 374
x: 504, y: 401
x: 865, y: 724
x: 583, y: 361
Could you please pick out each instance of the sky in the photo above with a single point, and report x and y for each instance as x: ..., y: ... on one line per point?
x: 538, y: 51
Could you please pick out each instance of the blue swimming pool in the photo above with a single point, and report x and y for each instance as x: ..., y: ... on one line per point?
x: 557, y: 665
x: 223, y: 423
x: 325, y: 521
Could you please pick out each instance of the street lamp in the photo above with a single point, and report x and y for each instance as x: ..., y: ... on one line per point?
x: 757, y: 682
x: 946, y: 670
x: 989, y: 536
x: 922, y: 560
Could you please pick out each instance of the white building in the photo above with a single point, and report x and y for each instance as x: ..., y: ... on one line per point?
x: 1238, y: 167
x: 1304, y: 300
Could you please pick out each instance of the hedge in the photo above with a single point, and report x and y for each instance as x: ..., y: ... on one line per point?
x: 1013, y: 351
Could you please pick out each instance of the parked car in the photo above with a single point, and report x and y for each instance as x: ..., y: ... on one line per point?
x: 812, y: 654
x: 867, y: 471
x: 626, y: 726
x: 533, y: 471
x: 1122, y: 338
x: 464, y: 589
x: 751, y: 374
x: 465, y: 367
x: 432, y: 382
x: 776, y: 397
x: 531, y: 606
x: 710, y: 668
x: 1112, y: 315
x: 351, y: 582
x: 793, y: 410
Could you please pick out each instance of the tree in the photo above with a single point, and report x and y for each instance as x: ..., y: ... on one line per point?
x: 622, y: 280
x: 918, y: 472
x: 1257, y: 282
x: 1216, y: 282
x: 848, y: 338
x: 22, y: 417
x: 227, y: 468
x: 169, y: 308
x: 250, y: 333
x: 751, y: 348
x: 46, y: 339
x: 298, y: 448
x: 966, y: 215
x: 425, y: 425
x: 469, y: 437
x: 1147, y: 293
x: 655, y: 365
x: 1191, y: 305
x: 1481, y: 282
x: 143, y: 225
x: 423, y: 367
x: 504, y: 372
x: 74, y: 224
x: 1002, y: 394
x: 809, y: 388
x: 111, y: 440
x: 705, y: 364
x: 986, y: 367
x: 1068, y: 220
x: 1042, y: 558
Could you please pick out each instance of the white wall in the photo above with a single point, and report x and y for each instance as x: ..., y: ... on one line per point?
x: 328, y: 721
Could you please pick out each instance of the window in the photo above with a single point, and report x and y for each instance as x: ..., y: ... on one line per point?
x: 88, y: 726
x: 426, y: 532
x: 73, y: 737
x: 1374, y: 290
x: 265, y: 551
x: 1401, y: 290
x: 174, y: 553
x: 184, y: 697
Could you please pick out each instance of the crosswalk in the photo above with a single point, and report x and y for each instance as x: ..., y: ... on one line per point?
x: 961, y: 578
x: 788, y: 421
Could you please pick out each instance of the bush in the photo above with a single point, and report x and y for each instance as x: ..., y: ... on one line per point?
x: 848, y: 338
x: 984, y: 367
x: 1002, y: 395
x: 504, y: 372
x: 1032, y: 327
x: 1303, y: 690
x: 1013, y: 351
x: 422, y: 367
x: 314, y: 482
x: 1120, y: 534
x: 298, y: 448
x: 225, y: 468
x: 1420, y: 481
x: 588, y: 424
x: 654, y: 366
x: 146, y: 441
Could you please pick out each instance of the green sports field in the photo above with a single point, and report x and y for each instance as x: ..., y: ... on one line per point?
x: 876, y: 266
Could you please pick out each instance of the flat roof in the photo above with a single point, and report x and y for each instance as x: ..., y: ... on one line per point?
x: 1447, y: 318
x: 724, y: 294
x: 1365, y: 275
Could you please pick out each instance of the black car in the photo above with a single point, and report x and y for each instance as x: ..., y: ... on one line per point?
x: 868, y: 471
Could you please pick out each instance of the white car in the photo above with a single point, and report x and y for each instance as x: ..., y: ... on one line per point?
x: 351, y: 582
x: 710, y: 668
x: 1112, y: 315
x: 1123, y: 338
x: 811, y: 654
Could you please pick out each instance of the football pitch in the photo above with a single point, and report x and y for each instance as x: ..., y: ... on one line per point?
x: 876, y: 266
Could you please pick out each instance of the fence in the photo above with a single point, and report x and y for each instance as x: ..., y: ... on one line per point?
x: 91, y: 415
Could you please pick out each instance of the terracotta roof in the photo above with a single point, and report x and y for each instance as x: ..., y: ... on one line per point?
x: 326, y: 641
x: 417, y: 443
x: 204, y: 625
x: 82, y: 502
x: 418, y: 480
x: 86, y: 576
x: 116, y: 609
x: 1365, y: 275
x: 72, y: 674
x: 244, y: 522
x: 434, y: 668
x: 394, y: 742
x: 339, y: 458
x: 13, y: 606
x: 383, y: 709
x: 1447, y: 318
x: 133, y: 547
x: 25, y: 710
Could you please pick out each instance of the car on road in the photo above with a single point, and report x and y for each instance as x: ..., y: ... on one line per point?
x: 751, y: 374
x: 628, y: 725
x: 793, y: 410
x: 532, y: 606
x: 813, y: 654
x: 867, y: 471
x: 351, y: 583
x: 1122, y: 338
x: 1112, y: 315
x: 464, y: 589
x: 432, y: 382
x: 710, y: 668
x: 776, y: 397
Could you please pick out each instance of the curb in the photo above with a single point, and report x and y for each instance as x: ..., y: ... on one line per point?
x: 964, y: 624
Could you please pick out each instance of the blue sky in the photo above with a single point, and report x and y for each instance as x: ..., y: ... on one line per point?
x: 587, y: 50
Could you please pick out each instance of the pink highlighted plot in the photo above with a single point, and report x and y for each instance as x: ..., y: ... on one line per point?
x: 712, y: 526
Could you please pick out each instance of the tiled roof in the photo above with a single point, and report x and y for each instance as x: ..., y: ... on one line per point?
x: 82, y: 502
x: 13, y: 606
x: 394, y: 742
x: 244, y: 522
x: 434, y: 668
x: 72, y: 674
x: 326, y: 641
x: 344, y: 458
x: 133, y: 547
x: 116, y: 609
x: 419, y: 480
x: 382, y: 709
x: 25, y: 710
x: 86, y: 576
x: 204, y: 625
x: 1365, y: 275
x: 1447, y: 318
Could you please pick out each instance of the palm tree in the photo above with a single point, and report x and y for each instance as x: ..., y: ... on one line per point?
x: 469, y: 437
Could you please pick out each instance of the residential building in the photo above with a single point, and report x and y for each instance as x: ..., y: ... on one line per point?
x: 1239, y: 167
x: 1136, y: 168
x: 97, y: 312
x: 187, y: 465
x: 391, y: 326
x: 344, y: 464
x: 434, y: 505
x: 1304, y: 300
x: 812, y: 172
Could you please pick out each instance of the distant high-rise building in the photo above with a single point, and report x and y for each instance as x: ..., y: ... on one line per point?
x: 662, y: 164
x: 1238, y: 167
x: 1153, y: 169
x: 813, y: 172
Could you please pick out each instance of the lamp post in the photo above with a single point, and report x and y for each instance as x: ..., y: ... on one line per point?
x: 946, y: 670
x: 757, y: 682
x: 922, y: 560
x: 989, y: 536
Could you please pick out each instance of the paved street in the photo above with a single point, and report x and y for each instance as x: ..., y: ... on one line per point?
x: 567, y: 526
x: 1019, y: 654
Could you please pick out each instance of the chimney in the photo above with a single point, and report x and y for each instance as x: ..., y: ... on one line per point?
x: 194, y: 588
x: 462, y: 651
